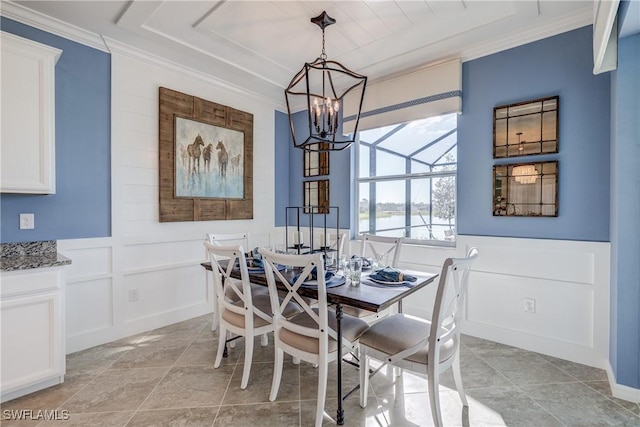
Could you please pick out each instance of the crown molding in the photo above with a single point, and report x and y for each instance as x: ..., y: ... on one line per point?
x: 524, y: 37
x: 117, y: 47
x: 51, y: 25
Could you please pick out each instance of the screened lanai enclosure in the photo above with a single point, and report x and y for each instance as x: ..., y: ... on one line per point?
x: 407, y: 180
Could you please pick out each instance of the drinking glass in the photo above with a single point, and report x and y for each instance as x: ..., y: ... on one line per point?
x: 330, y: 260
x: 355, y: 271
x: 342, y: 263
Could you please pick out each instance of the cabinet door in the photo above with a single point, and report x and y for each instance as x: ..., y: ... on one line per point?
x: 31, y: 340
x: 28, y: 116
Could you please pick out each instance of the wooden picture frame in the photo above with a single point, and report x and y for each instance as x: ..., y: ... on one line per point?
x: 190, y: 188
x: 316, y: 196
x: 316, y: 163
x: 526, y: 128
x: 526, y: 189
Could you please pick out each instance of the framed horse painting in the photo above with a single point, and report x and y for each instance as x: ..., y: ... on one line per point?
x: 206, y: 160
x: 210, y: 160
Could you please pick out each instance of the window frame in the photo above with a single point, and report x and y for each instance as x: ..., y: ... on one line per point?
x: 406, y: 177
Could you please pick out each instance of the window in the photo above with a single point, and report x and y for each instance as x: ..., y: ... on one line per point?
x: 406, y: 183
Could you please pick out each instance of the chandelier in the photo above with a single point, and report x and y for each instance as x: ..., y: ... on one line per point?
x: 321, y: 86
x: 525, y: 174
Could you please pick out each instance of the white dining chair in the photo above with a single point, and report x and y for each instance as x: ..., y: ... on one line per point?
x: 245, y: 315
x: 381, y: 249
x: 385, y: 251
x: 418, y: 345
x: 311, y: 335
x: 232, y: 239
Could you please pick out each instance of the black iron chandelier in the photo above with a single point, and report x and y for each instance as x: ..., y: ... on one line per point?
x: 322, y: 85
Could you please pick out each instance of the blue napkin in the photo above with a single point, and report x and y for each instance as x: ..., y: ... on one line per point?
x: 366, y: 262
x: 328, y: 275
x: 254, y: 259
x: 390, y: 274
x: 255, y: 254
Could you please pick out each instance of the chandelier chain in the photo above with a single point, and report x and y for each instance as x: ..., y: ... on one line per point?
x: 323, y: 55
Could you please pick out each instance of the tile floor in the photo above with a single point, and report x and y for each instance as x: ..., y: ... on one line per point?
x: 165, y: 377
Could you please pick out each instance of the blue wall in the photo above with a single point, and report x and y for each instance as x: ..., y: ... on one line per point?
x: 282, y: 142
x: 560, y: 65
x: 81, y: 206
x: 289, y: 193
x: 625, y: 215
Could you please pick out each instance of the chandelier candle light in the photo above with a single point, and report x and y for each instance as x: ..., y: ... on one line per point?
x: 322, y: 86
x: 525, y: 174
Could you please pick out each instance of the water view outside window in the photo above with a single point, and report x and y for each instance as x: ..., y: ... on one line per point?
x: 407, y: 180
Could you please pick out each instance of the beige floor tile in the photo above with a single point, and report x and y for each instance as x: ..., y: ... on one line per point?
x: 604, y: 388
x: 202, y: 353
x: 273, y: 414
x: 577, y: 404
x: 259, y: 386
x: 116, y: 390
x: 190, y: 386
x: 524, y: 367
x: 186, y: 417
x: 152, y: 354
x: 100, y: 419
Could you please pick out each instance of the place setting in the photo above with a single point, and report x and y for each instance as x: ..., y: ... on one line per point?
x: 332, y: 279
x: 255, y: 264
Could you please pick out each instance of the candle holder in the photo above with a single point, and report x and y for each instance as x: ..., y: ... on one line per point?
x: 298, y: 217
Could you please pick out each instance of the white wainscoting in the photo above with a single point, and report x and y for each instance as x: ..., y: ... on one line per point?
x: 568, y: 280
x: 160, y: 261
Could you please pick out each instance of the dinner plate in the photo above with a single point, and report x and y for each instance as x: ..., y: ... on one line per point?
x: 335, y: 281
x: 261, y: 269
x: 383, y: 282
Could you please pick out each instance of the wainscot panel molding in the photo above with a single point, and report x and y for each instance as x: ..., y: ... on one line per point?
x: 569, y: 281
x: 160, y: 262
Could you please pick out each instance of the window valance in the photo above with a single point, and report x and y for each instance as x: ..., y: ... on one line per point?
x: 428, y: 92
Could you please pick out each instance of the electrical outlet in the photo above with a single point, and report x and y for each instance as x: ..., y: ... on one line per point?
x: 529, y: 305
x: 133, y: 295
x: 27, y: 221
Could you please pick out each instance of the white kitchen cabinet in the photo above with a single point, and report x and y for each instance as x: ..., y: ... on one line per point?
x: 28, y: 116
x: 33, y: 341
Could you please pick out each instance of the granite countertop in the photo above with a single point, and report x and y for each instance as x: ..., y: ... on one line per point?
x: 30, y: 255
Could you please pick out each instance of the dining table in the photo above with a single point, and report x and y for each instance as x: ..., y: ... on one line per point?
x: 367, y: 295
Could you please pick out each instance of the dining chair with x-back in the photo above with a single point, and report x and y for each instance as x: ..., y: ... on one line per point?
x: 245, y: 314
x: 383, y: 251
x: 310, y: 335
x: 232, y: 239
x: 418, y: 345
x: 379, y: 252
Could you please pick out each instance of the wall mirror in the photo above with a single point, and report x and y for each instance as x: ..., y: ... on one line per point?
x: 316, y: 163
x: 526, y: 128
x: 316, y: 196
x: 529, y: 189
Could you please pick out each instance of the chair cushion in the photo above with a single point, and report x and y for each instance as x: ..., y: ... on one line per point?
x: 351, y: 327
x: 400, y: 331
x: 263, y: 303
x: 255, y: 290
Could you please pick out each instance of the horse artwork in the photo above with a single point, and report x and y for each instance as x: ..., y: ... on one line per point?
x: 235, y: 164
x: 184, y: 155
x: 206, y: 155
x: 194, y: 152
x: 217, y: 176
x: 223, y: 159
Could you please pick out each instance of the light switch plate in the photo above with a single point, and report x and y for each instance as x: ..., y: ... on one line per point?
x: 27, y: 221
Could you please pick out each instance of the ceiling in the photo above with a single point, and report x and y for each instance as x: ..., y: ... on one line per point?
x: 260, y: 45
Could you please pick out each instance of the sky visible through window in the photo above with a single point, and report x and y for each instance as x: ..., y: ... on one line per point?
x: 437, y: 134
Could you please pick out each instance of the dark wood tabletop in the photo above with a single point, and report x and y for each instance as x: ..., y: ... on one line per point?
x: 372, y: 298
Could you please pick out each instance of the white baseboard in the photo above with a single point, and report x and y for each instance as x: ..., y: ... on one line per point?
x: 621, y: 391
